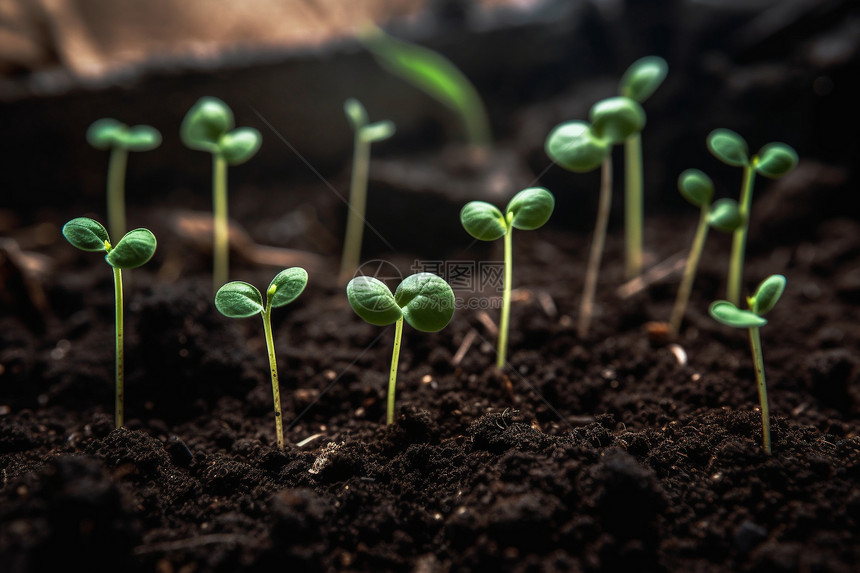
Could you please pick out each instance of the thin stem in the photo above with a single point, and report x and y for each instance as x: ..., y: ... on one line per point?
x: 603, y: 206
x: 392, y: 378
x: 755, y: 343
x: 119, y: 410
x: 221, y: 247
x: 736, y: 263
x: 506, y: 298
x: 689, y: 273
x: 273, y: 369
x: 116, y: 191
x: 357, y: 207
x: 633, y: 210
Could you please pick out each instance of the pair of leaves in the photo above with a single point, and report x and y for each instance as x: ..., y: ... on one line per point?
x: 107, y: 133
x: 239, y: 299
x: 133, y: 250
x: 774, y: 160
x: 423, y: 300
x: 368, y: 132
x: 527, y: 210
x: 208, y: 126
x: 763, y: 300
x: 697, y: 188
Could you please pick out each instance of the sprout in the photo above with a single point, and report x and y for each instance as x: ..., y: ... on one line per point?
x: 209, y: 126
x: 134, y: 249
x: 774, y: 160
x: 241, y: 300
x: 529, y: 209
x: 365, y: 134
x: 120, y: 139
x: 765, y: 298
x: 697, y: 188
x: 424, y: 300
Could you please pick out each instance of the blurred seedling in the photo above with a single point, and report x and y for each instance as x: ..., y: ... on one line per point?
x: 424, y: 300
x: 529, y: 209
x: 239, y: 299
x: 133, y: 250
x: 760, y: 303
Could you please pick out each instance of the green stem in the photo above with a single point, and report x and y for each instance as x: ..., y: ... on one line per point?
x: 221, y: 247
x: 392, y: 378
x: 689, y: 273
x: 273, y: 369
x: 119, y: 410
x: 736, y: 263
x: 755, y: 343
x: 603, y: 207
x: 116, y: 191
x: 506, y: 297
x: 633, y: 210
x: 357, y: 207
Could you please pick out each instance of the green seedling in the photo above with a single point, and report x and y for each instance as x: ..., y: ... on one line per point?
x: 134, y: 249
x: 580, y: 146
x: 529, y: 209
x: 209, y: 126
x: 424, y: 300
x: 723, y: 215
x: 765, y: 298
x: 365, y: 134
x: 640, y: 80
x: 120, y: 139
x: 774, y: 160
x: 435, y: 75
x: 241, y: 300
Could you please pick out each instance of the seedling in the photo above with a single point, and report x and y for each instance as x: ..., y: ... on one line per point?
x: 365, y: 134
x: 723, y: 215
x: 640, y: 80
x: 134, y: 249
x: 120, y: 139
x: 765, y: 298
x: 580, y: 147
x: 774, y: 160
x: 529, y: 209
x: 209, y: 126
x: 424, y: 300
x: 241, y: 300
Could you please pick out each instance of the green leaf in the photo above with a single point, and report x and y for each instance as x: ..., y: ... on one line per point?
x: 729, y: 147
x: 104, y: 133
x: 286, y: 286
x: 379, y: 131
x: 696, y: 187
x: 372, y: 301
x: 355, y: 113
x: 531, y: 208
x: 767, y: 294
x: 574, y: 146
x: 617, y: 118
x: 643, y: 77
x: 776, y: 160
x: 240, y: 145
x: 205, y: 123
x: 725, y: 312
x: 725, y: 216
x: 483, y: 221
x: 140, y: 138
x: 86, y: 234
x: 427, y: 301
x: 238, y: 300
x: 133, y: 250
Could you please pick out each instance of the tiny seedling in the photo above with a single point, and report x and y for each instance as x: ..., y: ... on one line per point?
x: 424, y: 300
x: 134, y: 249
x: 365, y: 134
x: 697, y: 188
x: 580, y: 146
x: 640, y: 80
x: 209, y: 126
x: 774, y: 160
x: 120, y: 139
x: 241, y: 300
x: 765, y: 298
x: 529, y: 209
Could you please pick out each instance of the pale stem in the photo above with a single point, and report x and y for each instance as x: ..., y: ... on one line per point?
x: 392, y: 378
x: 221, y: 246
x: 739, y: 240
x: 686, y: 286
x: 506, y: 297
x: 356, y: 208
x: 116, y: 191
x: 603, y: 206
x: 119, y: 410
x: 273, y: 369
x: 758, y: 361
x: 633, y: 205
